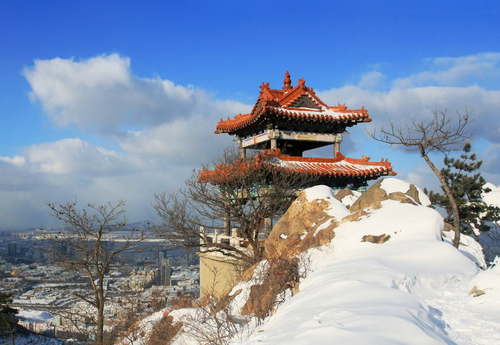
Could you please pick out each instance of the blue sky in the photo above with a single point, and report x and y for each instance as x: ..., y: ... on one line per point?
x: 106, y: 100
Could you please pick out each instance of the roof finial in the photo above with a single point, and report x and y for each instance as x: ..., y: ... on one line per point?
x: 288, y: 82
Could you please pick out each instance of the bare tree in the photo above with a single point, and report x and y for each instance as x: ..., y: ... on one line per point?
x: 90, y: 241
x: 442, y: 133
x: 236, y: 194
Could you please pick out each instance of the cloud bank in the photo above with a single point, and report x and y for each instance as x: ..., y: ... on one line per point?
x: 144, y: 116
x: 159, y: 131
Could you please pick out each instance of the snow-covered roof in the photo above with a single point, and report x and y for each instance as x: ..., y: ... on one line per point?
x: 340, y: 166
x: 298, y: 104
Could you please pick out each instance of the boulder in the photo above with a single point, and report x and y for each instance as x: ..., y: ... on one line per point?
x: 308, y: 223
x: 372, y: 198
x: 407, y: 193
x: 347, y: 196
x: 341, y: 194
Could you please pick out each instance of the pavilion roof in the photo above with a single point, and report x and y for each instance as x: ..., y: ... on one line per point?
x: 294, y: 104
x: 338, y: 167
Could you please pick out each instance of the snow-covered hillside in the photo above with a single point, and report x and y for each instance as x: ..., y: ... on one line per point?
x: 386, y: 277
x: 490, y: 240
x: 412, y: 289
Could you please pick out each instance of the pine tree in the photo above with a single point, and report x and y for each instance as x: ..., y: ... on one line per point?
x: 8, y: 318
x: 467, y: 186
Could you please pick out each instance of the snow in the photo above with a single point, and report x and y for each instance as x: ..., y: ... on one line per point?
x: 397, y: 292
x: 348, y: 200
x: 335, y: 208
x: 414, y: 288
x: 31, y: 339
x: 35, y: 315
x: 488, y: 282
x: 34, y: 301
x: 468, y: 247
x: 492, y: 197
x: 146, y: 326
x: 391, y: 185
x: 490, y: 240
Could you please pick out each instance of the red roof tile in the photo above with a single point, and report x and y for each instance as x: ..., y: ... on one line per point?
x: 322, y: 167
x: 278, y: 104
x: 336, y: 167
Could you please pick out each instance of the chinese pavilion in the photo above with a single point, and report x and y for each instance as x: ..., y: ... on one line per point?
x: 290, y: 121
x: 283, y: 124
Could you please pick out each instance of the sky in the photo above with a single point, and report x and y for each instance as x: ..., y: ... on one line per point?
x: 117, y: 100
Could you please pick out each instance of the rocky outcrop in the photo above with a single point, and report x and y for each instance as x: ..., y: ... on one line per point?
x: 377, y: 193
x: 341, y: 194
x: 308, y: 223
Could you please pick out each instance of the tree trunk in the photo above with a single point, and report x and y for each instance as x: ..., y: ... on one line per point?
x: 449, y: 195
x: 11, y: 331
x: 256, y: 255
x: 100, y: 317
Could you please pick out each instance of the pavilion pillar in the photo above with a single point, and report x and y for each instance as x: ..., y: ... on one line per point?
x: 336, y: 145
x: 274, y: 144
x: 272, y: 136
x: 243, y: 153
x: 336, y: 149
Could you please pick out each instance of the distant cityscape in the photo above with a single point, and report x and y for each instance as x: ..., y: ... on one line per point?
x: 142, y: 280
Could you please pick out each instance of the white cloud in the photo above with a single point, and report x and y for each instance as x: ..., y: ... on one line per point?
x: 420, y: 102
x: 75, y: 170
x: 69, y: 156
x: 451, y: 83
x: 16, y: 160
x: 164, y: 129
x: 181, y: 142
x: 371, y: 80
x: 101, y: 94
x: 453, y: 71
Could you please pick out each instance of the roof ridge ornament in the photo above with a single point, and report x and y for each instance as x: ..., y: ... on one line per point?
x: 287, y: 83
x: 264, y: 86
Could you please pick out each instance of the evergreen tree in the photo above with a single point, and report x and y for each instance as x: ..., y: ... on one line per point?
x: 8, y: 318
x: 467, y: 186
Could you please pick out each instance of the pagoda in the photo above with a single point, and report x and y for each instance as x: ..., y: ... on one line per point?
x: 285, y: 123
x: 282, y: 125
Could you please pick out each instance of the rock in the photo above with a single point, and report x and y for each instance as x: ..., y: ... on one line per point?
x: 448, y: 227
x: 347, y: 196
x: 402, y: 198
x: 341, y: 194
x: 413, y: 193
x: 376, y: 239
x: 354, y: 217
x: 373, y: 196
x: 376, y: 194
x: 310, y: 221
x: 475, y: 292
x: 306, y: 224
